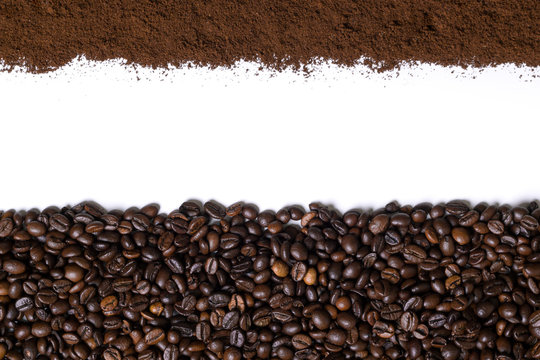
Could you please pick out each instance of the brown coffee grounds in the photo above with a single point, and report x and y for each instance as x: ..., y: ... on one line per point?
x: 45, y: 34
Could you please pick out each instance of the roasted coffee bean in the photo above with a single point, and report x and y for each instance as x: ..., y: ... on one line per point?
x: 219, y: 300
x: 299, y: 251
x: 336, y: 337
x: 321, y: 319
x: 414, y: 254
x: 298, y: 271
x: 431, y: 281
x: 383, y: 329
x: 280, y: 269
x: 203, y: 331
x: 154, y: 336
x: 237, y: 338
x: 6, y: 227
x: 211, y: 266
x: 532, y: 270
x: 215, y: 210
x: 436, y: 320
x: 230, y: 320
x: 24, y: 304
x: 41, y: 329
x: 59, y: 222
x: 408, y: 321
x: 391, y: 312
x: 346, y: 320
x: 379, y: 223
x: 421, y: 332
x: 35, y: 228
x: 301, y: 341
x: 13, y: 267
x: 122, y: 284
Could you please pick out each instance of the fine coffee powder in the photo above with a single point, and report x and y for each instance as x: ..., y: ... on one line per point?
x: 446, y: 281
x: 43, y: 35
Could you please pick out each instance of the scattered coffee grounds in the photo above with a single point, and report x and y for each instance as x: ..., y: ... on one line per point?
x: 446, y: 281
x: 43, y: 35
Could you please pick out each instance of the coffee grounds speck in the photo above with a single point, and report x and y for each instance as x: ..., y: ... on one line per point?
x: 44, y: 35
x: 205, y: 281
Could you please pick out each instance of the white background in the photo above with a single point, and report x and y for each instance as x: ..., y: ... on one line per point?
x: 125, y: 137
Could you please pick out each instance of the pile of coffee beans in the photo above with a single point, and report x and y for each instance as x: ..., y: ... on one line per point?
x: 445, y: 281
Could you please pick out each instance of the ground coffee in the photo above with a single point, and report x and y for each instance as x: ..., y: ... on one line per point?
x: 447, y: 281
x: 45, y: 34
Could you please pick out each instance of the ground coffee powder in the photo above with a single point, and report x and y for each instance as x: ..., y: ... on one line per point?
x: 446, y: 281
x: 45, y: 34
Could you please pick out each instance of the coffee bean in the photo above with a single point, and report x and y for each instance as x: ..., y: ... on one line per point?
x: 436, y: 320
x: 112, y: 354
x: 532, y: 270
x: 154, y: 336
x: 379, y: 223
x: 336, y: 337
x: 280, y: 268
x: 59, y: 222
x: 299, y: 251
x: 383, y: 329
x: 391, y: 312
x: 35, y: 228
x: 392, y: 237
x: 122, y: 284
x: 109, y: 303
x: 234, y: 209
x: 230, y: 320
x: 529, y: 223
x: 343, y: 303
x: 140, y: 222
x: 262, y: 317
x: 461, y: 235
x: 421, y: 332
x: 450, y: 352
x: 496, y: 227
x: 203, y: 331
x: 211, y: 266
x: 14, y: 267
x: 73, y: 273
x: 469, y: 218
x: 452, y: 282
x: 301, y: 341
x: 165, y: 241
x: 24, y: 304
x: 311, y: 276
x: 321, y: 319
x: 282, y: 316
x: 457, y: 207
x: 352, y: 270
x: 408, y: 321
x: 6, y: 227
x: 237, y: 338
x: 446, y: 280
x: 215, y: 210
x: 346, y: 320
x: 219, y: 300
x: 414, y: 254
x: 298, y: 271
x: 391, y: 274
x: 41, y: 329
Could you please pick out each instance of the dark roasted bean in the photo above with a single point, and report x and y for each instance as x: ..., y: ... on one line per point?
x: 431, y: 281
x: 215, y: 210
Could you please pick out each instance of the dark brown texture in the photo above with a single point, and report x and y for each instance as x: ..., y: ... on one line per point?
x: 43, y: 35
x: 141, y: 284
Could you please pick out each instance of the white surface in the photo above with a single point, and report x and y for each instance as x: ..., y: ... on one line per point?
x: 339, y: 136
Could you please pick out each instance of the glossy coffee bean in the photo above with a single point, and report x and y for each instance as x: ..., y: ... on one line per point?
x: 431, y: 281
